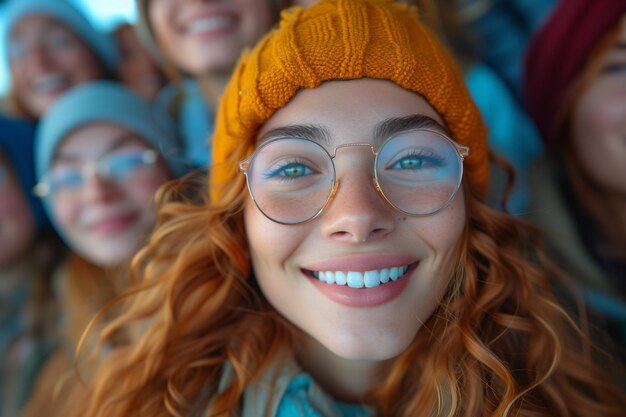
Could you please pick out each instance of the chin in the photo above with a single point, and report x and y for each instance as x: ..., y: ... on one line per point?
x: 368, y: 350
x: 110, y: 257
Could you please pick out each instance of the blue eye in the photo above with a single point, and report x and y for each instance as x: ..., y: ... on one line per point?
x: 408, y: 163
x: 417, y: 161
x: 290, y: 170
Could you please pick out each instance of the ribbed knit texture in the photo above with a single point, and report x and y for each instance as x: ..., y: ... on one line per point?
x: 343, y: 39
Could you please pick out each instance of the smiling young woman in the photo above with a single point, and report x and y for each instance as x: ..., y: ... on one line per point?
x: 51, y: 48
x: 360, y: 273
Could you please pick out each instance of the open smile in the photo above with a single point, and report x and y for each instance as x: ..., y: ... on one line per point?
x: 362, y: 279
x: 362, y: 289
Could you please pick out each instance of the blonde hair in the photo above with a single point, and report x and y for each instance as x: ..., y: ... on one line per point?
x: 498, y: 345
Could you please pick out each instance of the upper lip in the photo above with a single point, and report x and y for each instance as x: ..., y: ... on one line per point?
x: 361, y: 262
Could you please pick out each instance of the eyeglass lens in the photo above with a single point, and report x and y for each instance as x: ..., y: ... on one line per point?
x: 291, y: 179
x: 115, y: 167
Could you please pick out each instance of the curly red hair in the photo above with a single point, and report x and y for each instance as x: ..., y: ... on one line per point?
x: 499, y: 344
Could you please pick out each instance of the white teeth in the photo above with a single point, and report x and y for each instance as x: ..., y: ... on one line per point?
x: 393, y: 273
x: 384, y: 276
x: 356, y: 279
x: 371, y: 279
x: 340, y: 278
x: 210, y: 23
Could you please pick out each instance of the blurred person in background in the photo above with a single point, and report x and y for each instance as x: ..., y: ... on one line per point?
x: 27, y: 254
x: 199, y: 43
x: 575, y: 84
x: 101, y: 153
x: 51, y: 47
x: 138, y: 69
x: 501, y: 31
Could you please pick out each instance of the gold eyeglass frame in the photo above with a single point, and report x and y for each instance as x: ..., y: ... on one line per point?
x: 461, y: 150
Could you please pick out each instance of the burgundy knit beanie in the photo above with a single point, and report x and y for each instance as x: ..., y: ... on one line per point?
x: 557, y: 55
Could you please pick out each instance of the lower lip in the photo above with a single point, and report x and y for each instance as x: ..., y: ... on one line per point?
x: 363, y: 297
x: 112, y: 226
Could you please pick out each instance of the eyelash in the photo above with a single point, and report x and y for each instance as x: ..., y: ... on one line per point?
x: 273, y: 174
x: 613, y: 68
x: 426, y: 156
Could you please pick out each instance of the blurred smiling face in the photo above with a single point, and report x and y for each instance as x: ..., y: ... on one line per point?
x: 599, y: 121
x: 46, y: 59
x: 102, y: 183
x: 204, y: 37
x: 361, y: 278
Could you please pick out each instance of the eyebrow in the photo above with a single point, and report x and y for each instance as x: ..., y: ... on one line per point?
x: 382, y: 130
x: 316, y: 133
x: 394, y: 125
x: 116, y: 144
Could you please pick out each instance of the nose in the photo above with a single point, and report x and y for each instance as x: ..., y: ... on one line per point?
x: 98, y: 189
x: 357, y: 213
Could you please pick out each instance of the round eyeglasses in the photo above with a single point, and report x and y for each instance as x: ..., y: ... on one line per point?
x: 291, y: 180
x: 116, y: 167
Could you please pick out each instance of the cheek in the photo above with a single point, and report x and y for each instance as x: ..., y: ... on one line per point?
x: 81, y: 63
x: 270, y: 243
x: 66, y: 212
x: 598, y: 132
x: 162, y: 22
x: 18, y: 77
x: 256, y: 19
x: 442, y: 232
x: 12, y: 203
x: 600, y: 111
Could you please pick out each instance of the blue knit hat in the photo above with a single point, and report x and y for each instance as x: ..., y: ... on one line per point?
x: 112, y: 102
x: 102, y: 44
x: 16, y: 142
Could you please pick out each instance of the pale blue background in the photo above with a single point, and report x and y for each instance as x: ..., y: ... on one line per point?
x: 103, y: 14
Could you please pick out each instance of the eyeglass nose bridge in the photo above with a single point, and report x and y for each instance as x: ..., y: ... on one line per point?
x: 353, y: 145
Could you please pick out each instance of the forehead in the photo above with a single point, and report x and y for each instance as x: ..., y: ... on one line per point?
x: 351, y: 108
x: 96, y: 139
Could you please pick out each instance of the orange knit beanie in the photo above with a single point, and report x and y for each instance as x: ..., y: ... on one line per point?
x: 342, y: 40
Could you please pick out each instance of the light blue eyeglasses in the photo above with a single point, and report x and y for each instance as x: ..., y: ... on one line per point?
x: 115, y: 167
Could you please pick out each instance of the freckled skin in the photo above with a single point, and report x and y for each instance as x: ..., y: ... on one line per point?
x: 357, y: 220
